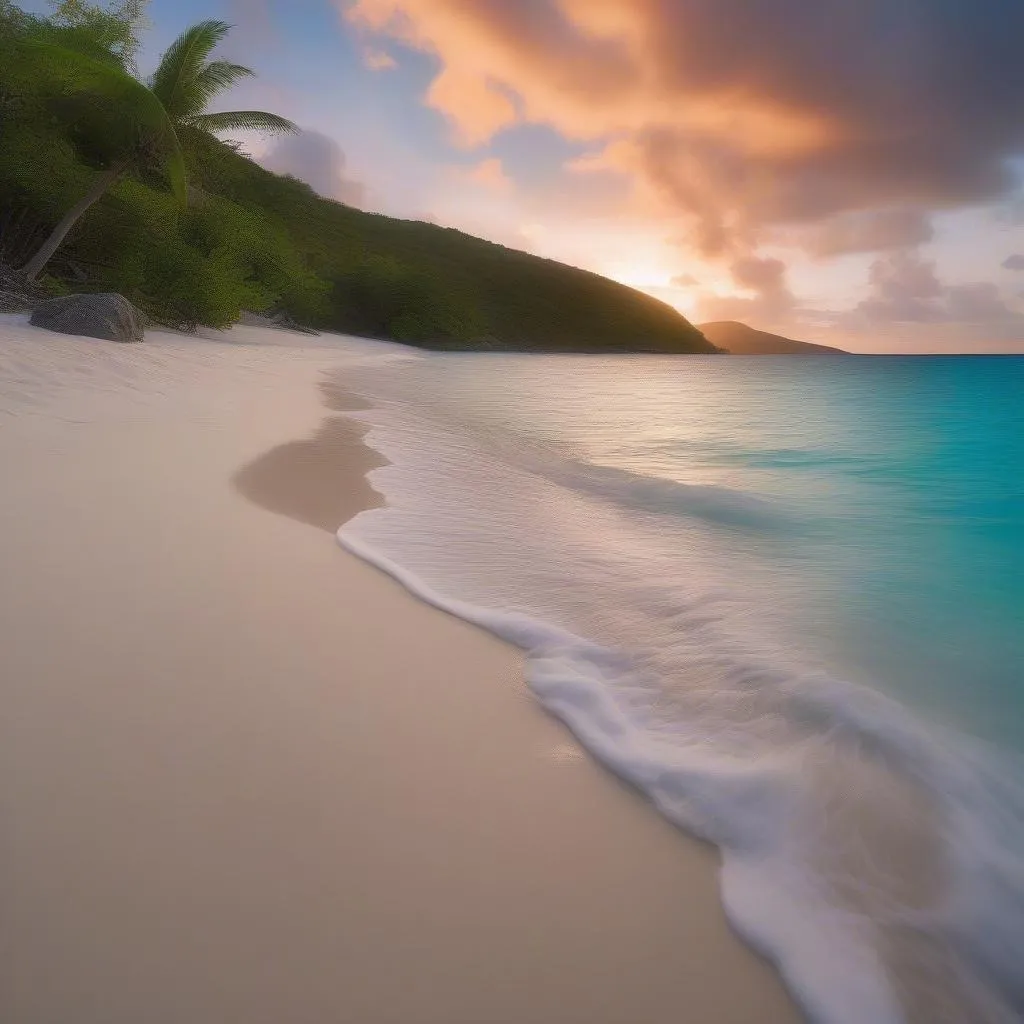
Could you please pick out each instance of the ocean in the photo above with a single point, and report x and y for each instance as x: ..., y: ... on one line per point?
x: 783, y: 598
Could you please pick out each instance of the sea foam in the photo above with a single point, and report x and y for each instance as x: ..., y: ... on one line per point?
x: 873, y: 855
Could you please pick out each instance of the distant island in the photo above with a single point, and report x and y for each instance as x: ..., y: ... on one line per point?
x: 740, y: 340
x: 143, y: 198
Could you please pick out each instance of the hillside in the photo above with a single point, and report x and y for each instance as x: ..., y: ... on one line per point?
x: 741, y: 340
x: 505, y: 299
x: 251, y: 240
x: 255, y: 240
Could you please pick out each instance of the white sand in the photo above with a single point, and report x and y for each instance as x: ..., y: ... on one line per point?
x: 246, y: 778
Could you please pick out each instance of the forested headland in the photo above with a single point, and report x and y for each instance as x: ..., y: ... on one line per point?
x: 149, y: 201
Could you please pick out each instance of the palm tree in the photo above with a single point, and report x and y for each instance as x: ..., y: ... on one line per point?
x: 169, y: 112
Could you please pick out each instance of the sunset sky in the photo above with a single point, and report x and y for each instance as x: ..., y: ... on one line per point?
x: 845, y: 171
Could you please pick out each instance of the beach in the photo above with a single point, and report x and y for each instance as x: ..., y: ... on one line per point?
x: 245, y: 776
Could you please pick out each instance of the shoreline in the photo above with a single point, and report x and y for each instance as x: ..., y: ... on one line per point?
x: 257, y: 779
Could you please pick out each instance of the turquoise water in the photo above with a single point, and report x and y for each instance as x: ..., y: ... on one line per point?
x: 784, y: 598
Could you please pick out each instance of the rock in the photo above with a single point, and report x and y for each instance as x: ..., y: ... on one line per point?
x: 105, y: 315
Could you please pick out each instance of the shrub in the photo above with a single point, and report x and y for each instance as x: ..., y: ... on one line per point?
x: 200, y: 266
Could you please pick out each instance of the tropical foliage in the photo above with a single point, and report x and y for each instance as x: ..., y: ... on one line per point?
x: 90, y: 52
x: 238, y: 237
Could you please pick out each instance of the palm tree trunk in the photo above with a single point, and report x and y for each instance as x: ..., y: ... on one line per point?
x: 52, y: 244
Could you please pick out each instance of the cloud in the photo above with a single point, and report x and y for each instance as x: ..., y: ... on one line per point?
x: 1014, y: 262
x: 769, y: 301
x: 850, y: 120
x: 979, y: 303
x: 485, y: 108
x: 869, y: 231
x: 767, y: 276
x: 378, y: 60
x: 319, y: 161
x: 684, y: 281
x: 906, y: 289
x: 490, y: 174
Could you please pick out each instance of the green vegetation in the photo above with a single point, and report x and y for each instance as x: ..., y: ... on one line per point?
x: 87, y: 54
x: 102, y: 203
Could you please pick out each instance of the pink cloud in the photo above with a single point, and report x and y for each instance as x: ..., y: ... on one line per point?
x: 378, y: 60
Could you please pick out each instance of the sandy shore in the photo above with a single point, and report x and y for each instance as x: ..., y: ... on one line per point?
x: 246, y: 778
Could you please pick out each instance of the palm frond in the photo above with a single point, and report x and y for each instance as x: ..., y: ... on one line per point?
x: 243, y: 121
x: 219, y: 75
x: 212, y: 80
x: 182, y: 64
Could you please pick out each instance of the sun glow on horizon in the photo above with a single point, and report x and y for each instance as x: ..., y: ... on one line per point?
x: 681, y: 291
x: 638, y: 275
x: 680, y: 299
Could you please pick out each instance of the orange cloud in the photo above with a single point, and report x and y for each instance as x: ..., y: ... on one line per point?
x: 569, y: 69
x: 742, y: 116
x: 484, y: 110
x: 490, y: 174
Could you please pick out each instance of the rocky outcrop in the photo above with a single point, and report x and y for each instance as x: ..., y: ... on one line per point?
x: 106, y: 315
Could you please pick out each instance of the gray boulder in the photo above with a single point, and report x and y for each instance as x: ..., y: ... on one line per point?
x: 106, y: 315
